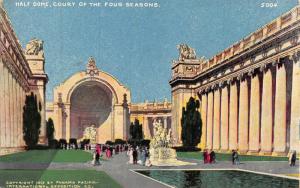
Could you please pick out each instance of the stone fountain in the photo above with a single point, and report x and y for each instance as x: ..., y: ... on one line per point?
x: 161, y: 153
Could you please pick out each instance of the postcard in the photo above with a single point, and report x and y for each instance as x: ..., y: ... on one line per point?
x: 149, y: 93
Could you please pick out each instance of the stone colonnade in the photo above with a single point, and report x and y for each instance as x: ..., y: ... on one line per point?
x: 255, y: 112
x: 12, y: 99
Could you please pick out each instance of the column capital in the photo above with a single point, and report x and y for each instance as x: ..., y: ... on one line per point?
x: 251, y: 73
x: 295, y: 56
x: 222, y: 83
x: 240, y: 77
x: 230, y: 81
x: 263, y: 68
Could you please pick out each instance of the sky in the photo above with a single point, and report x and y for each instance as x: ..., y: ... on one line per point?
x: 136, y: 45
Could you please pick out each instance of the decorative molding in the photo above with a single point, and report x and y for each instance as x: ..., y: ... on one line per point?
x: 91, y: 68
x: 294, y: 40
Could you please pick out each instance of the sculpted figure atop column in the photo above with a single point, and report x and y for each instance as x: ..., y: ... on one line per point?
x: 34, y: 47
x: 186, y: 52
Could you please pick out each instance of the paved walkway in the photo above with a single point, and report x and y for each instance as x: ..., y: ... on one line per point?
x: 122, y: 172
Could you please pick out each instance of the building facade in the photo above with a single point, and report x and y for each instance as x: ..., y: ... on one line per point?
x: 90, y: 98
x: 147, y: 112
x: 94, y: 98
x: 21, y: 72
x: 249, y: 92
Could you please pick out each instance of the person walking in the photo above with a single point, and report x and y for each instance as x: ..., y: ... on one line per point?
x: 293, y: 158
x: 130, y: 154
x: 236, y: 158
x: 205, y: 156
x: 212, y: 157
x: 97, y: 158
x: 134, y: 155
x: 232, y: 156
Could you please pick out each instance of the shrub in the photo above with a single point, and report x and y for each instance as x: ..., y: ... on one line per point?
x: 120, y: 141
x: 54, y: 144
x: 108, y: 142
x: 62, y: 143
x: 186, y: 148
x: 73, y: 141
x: 50, y: 130
x: 145, y: 143
x: 31, y: 121
x: 84, y: 142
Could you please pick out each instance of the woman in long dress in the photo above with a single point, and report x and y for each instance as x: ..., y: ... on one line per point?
x: 130, y: 154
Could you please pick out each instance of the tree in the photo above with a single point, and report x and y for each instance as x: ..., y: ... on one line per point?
x: 50, y: 130
x: 136, y: 130
x: 31, y: 121
x: 191, y: 123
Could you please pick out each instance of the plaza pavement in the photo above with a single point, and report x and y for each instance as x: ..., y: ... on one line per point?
x: 124, y: 174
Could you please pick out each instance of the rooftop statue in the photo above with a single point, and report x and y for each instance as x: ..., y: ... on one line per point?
x: 186, y: 52
x: 35, y: 47
x: 91, y: 67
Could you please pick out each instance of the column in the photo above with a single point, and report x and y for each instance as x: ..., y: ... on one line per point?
x: 209, y: 120
x: 165, y: 123
x: 216, y: 128
x: 13, y: 112
x: 224, y: 119
x: 23, y: 98
x: 233, y: 119
x: 254, y: 122
x: 68, y: 122
x: 280, y: 110
x: 11, y: 107
x: 243, y: 116
x: 8, y: 110
x: 59, y: 123
x: 2, y: 109
x: 146, y: 128
x: 19, y: 116
x: 203, y: 117
x: 266, y: 114
x: 295, y: 105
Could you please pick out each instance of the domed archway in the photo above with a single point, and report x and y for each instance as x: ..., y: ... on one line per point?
x: 91, y: 104
x: 91, y: 97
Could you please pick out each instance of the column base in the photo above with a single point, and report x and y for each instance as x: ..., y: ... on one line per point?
x: 43, y: 140
x: 243, y: 152
x: 225, y: 151
x: 253, y: 152
x: 265, y: 153
x: 11, y: 150
x: 279, y: 153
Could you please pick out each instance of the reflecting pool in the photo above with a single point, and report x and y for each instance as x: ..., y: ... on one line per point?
x: 218, y: 178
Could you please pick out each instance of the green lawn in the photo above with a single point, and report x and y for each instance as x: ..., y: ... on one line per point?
x: 48, y: 156
x: 227, y: 157
x: 74, y: 178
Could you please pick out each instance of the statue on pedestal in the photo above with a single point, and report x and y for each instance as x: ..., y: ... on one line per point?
x: 90, y: 133
x: 35, y: 47
x: 186, y: 52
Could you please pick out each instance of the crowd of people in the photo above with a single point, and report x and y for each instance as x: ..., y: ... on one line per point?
x: 209, y: 157
x: 106, y: 151
x: 139, y: 155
